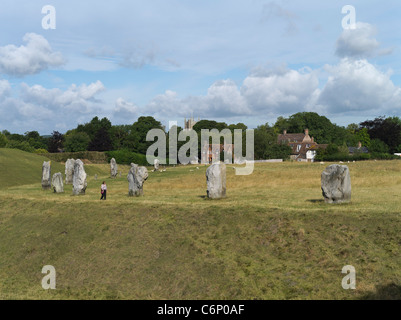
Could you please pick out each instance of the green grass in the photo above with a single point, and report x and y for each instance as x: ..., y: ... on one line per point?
x: 272, y: 237
x: 22, y: 168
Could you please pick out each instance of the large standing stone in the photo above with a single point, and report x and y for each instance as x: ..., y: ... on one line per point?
x: 46, y: 175
x: 156, y: 164
x: 136, y: 177
x: 336, y: 184
x: 57, y: 183
x: 79, y: 180
x: 69, y: 171
x: 113, y: 168
x: 216, y: 181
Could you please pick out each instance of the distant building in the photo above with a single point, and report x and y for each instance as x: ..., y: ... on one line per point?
x: 359, y: 149
x: 303, y: 146
x: 211, y: 152
x: 189, y: 124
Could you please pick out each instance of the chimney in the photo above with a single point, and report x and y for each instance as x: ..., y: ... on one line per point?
x: 285, y: 132
x: 306, y: 132
x: 359, y: 145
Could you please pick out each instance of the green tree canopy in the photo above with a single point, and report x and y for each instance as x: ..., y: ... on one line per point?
x: 76, y: 142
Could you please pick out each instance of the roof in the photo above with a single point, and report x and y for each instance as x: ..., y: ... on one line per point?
x: 358, y: 150
x: 291, y: 137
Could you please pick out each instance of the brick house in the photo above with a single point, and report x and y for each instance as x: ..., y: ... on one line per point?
x: 303, y: 145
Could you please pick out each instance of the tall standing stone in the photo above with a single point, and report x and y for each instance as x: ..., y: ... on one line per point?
x: 216, y: 181
x: 136, y: 178
x: 57, y: 183
x: 79, y: 183
x: 113, y: 168
x: 336, y: 184
x: 46, y: 175
x: 156, y: 164
x: 69, y: 171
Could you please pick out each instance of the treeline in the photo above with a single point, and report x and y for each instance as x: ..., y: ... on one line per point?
x: 127, y: 143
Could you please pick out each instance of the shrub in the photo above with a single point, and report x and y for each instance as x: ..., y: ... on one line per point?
x: 127, y: 157
x: 21, y: 145
x: 41, y: 151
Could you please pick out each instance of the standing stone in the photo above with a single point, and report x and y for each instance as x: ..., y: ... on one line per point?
x: 96, y: 177
x: 79, y: 179
x: 136, y: 178
x: 336, y: 184
x: 156, y: 164
x: 46, y: 175
x: 216, y: 181
x: 113, y: 168
x: 57, y: 183
x: 69, y: 171
x: 120, y: 174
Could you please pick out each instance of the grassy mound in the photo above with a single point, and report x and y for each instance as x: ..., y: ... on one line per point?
x: 23, y: 168
x: 272, y: 237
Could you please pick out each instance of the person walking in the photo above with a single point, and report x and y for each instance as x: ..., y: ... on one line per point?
x: 103, y: 190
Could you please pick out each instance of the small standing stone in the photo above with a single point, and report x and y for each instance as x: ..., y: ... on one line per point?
x: 216, y: 181
x: 136, y: 178
x: 96, y: 177
x: 69, y: 171
x: 156, y: 164
x: 336, y: 184
x: 46, y: 175
x: 79, y: 180
x: 57, y: 183
x: 113, y: 168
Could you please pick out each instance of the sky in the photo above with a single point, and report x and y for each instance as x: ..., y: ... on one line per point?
x: 226, y: 60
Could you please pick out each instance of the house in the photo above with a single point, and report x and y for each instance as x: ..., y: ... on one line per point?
x: 303, y: 145
x: 359, y: 149
x: 211, y: 152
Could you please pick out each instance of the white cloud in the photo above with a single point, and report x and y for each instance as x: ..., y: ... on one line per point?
x: 272, y: 10
x: 39, y: 108
x: 125, y: 110
x: 5, y: 89
x: 223, y: 100
x: 280, y: 91
x: 33, y: 58
x: 358, y: 86
x: 359, y: 43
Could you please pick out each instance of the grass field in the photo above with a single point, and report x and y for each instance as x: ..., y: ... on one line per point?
x: 273, y: 237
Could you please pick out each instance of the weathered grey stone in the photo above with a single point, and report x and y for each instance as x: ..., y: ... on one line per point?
x: 216, y: 181
x: 96, y: 177
x: 113, y: 168
x: 156, y: 164
x: 57, y: 183
x: 69, y: 171
x: 136, y: 178
x: 46, y: 175
x: 79, y: 183
x: 336, y: 184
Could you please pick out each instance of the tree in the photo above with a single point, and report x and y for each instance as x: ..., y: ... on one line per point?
x: 140, y: 130
x: 3, y: 140
x: 209, y: 125
x: 101, y: 141
x: 378, y: 146
x: 387, y: 130
x: 35, y: 140
x: 91, y: 128
x: 319, y: 127
x: 76, y: 142
x: 266, y: 146
x: 55, y: 143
